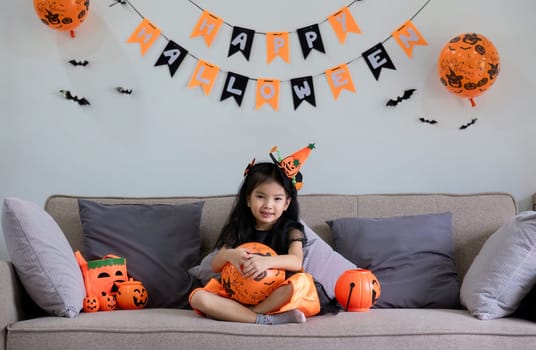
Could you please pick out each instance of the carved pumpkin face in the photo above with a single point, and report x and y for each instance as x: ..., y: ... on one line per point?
x: 132, y: 295
x: 252, y: 291
x: 103, y: 273
x: 468, y: 65
x: 107, y: 303
x: 290, y: 166
x: 91, y: 304
x: 357, y: 290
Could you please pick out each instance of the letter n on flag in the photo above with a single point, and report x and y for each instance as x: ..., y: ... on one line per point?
x: 339, y: 78
x: 204, y: 75
x: 207, y: 27
x: 267, y: 92
x: 408, y: 36
x: 145, y: 34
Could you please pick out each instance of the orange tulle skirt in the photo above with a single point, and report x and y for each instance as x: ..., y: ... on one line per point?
x: 304, y: 295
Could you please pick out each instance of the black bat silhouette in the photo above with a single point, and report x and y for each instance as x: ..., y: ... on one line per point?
x: 407, y: 94
x: 81, y: 101
x: 124, y: 91
x: 122, y: 2
x: 79, y: 63
x: 429, y: 121
x: 465, y: 126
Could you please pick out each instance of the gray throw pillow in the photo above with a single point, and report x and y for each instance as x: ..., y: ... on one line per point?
x: 160, y: 243
x: 43, y: 258
x: 504, y: 271
x: 322, y: 262
x: 412, y: 257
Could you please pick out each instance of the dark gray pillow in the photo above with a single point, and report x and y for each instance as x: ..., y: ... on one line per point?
x: 160, y: 243
x: 412, y: 257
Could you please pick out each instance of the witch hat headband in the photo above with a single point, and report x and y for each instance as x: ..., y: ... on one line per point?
x: 291, y: 165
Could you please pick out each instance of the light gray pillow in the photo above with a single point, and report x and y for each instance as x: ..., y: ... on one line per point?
x: 203, y: 272
x: 411, y: 256
x: 504, y: 271
x: 322, y: 262
x: 160, y: 243
x: 43, y: 258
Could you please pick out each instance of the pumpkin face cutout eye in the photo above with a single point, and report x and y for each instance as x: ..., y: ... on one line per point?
x: 91, y: 304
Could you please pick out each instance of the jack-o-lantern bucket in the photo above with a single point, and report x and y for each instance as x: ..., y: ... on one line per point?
x: 251, y: 291
x: 102, y: 274
x: 132, y: 295
x: 357, y: 290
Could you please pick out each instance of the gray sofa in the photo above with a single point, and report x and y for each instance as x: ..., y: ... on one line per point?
x: 475, y: 218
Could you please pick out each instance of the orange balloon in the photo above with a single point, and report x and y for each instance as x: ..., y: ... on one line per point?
x: 61, y: 15
x: 247, y: 290
x: 468, y: 65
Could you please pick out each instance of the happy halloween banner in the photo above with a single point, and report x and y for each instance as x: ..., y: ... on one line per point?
x: 339, y: 78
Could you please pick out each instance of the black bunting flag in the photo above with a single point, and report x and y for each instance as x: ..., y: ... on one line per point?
x: 235, y: 86
x: 310, y: 39
x: 377, y: 58
x: 241, y: 40
x: 302, y: 90
x: 173, y: 55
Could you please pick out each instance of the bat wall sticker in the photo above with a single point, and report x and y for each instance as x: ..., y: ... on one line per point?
x: 406, y: 96
x: 79, y: 63
x: 123, y: 90
x: 428, y: 121
x: 465, y: 126
x: 68, y: 96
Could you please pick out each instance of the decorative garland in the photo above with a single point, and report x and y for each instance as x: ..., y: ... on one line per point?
x: 267, y: 90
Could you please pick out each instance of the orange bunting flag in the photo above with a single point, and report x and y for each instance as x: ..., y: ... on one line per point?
x: 339, y: 78
x: 207, y: 27
x: 204, y: 75
x: 145, y: 35
x: 343, y: 22
x: 277, y: 44
x: 408, y: 36
x: 267, y: 92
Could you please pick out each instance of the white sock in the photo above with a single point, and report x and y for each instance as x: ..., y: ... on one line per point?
x: 292, y: 316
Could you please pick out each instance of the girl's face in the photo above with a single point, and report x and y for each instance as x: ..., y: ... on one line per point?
x: 267, y: 202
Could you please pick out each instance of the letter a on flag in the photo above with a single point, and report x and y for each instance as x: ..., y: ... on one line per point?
x: 207, y: 27
x: 145, y: 35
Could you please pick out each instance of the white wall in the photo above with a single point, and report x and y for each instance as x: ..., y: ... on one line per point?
x: 167, y: 139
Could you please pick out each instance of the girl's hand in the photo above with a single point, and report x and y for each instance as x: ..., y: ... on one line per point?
x: 255, y: 266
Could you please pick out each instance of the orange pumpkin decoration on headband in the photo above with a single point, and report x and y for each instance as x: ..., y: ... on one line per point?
x: 250, y: 291
x: 357, y: 290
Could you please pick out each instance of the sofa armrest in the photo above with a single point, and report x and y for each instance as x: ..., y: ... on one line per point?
x: 534, y: 201
x: 12, y: 299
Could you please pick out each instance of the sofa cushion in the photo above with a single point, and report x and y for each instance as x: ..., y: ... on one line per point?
x: 160, y: 243
x: 42, y: 258
x: 412, y: 257
x: 322, y: 262
x: 504, y: 271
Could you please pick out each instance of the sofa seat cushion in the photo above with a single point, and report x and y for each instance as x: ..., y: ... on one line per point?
x: 167, y: 328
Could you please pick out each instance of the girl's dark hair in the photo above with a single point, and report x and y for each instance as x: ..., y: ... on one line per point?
x: 241, y: 222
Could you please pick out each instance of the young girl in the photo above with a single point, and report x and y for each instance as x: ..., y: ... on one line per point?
x: 266, y: 211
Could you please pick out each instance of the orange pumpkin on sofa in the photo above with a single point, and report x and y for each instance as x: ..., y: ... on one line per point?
x: 247, y: 290
x: 357, y: 290
x: 132, y: 295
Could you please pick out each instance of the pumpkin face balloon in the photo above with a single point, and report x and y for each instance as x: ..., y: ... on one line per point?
x: 250, y: 291
x: 468, y: 65
x: 357, y: 290
x: 61, y: 14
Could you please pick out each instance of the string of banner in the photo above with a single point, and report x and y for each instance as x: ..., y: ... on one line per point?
x: 339, y: 78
